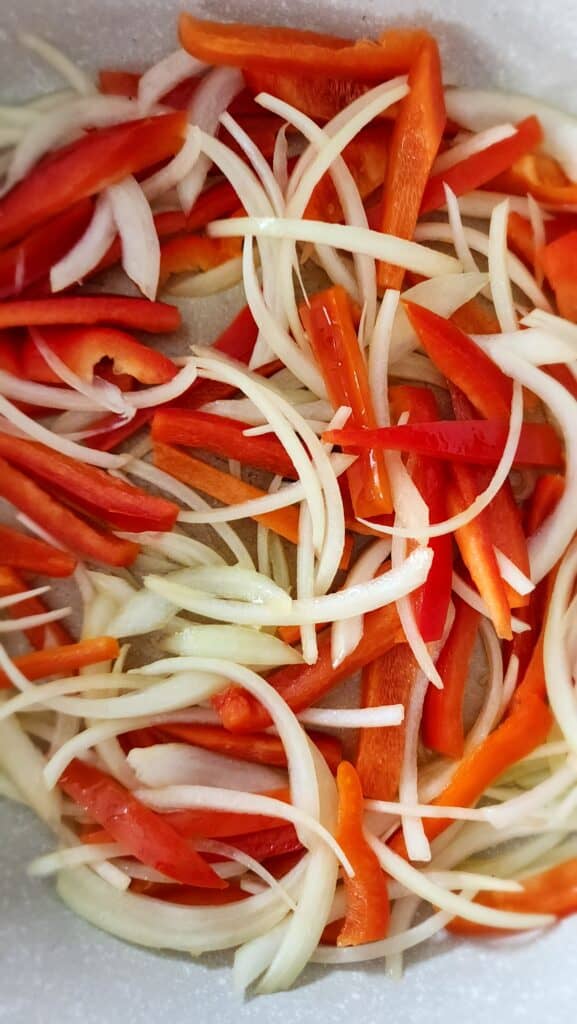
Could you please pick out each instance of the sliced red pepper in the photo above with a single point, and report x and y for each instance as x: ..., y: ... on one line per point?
x: 388, y: 679
x: 19, y: 551
x: 269, y: 843
x: 520, y: 238
x: 546, y: 495
x: 118, y: 503
x: 329, y: 325
x: 321, y: 97
x: 114, y: 82
x: 60, y: 522
x: 480, y: 168
x: 188, y: 895
x: 368, y: 909
x: 303, y: 685
x: 559, y: 262
x: 549, y: 892
x: 84, y: 348
x: 507, y: 532
x: 86, y: 167
x: 31, y: 259
x: 12, y: 583
x: 415, y: 143
x: 366, y: 159
x: 291, y: 50
x: 442, y: 723
x: 64, y: 660
x: 142, y: 832
x: 463, y: 362
x: 476, y: 317
x: 470, y: 441
x: 10, y: 350
x: 257, y: 747
x: 139, y: 314
x: 195, y: 253
x: 510, y: 742
x: 222, y: 436
x: 540, y: 176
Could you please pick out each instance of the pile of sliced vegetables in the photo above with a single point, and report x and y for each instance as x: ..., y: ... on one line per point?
x: 391, y: 416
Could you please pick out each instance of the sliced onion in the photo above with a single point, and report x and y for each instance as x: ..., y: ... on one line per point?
x: 141, y: 614
x: 88, y: 251
x: 379, y: 350
x: 473, y: 598
x: 51, y: 693
x: 512, y: 574
x: 163, y: 76
x: 347, y: 634
x: 536, y: 345
x: 149, y: 398
x: 521, y: 808
x: 242, y: 644
x: 480, y: 204
x: 233, y: 583
x: 477, y: 110
x: 12, y: 599
x: 353, y: 718
x: 66, y: 68
x: 280, y: 159
x: 461, y: 246
x: 209, y: 282
x: 176, y: 547
x: 398, y: 943
x: 138, y: 237
x: 472, y: 145
x: 170, y: 176
x: 243, y: 859
x: 405, y: 254
x: 24, y: 766
x: 33, y: 621
x: 72, y: 857
x: 498, y: 270
x: 181, y: 764
x: 558, y: 674
x: 259, y: 164
x: 214, y: 94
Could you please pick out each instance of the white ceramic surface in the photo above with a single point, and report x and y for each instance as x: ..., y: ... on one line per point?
x: 54, y: 968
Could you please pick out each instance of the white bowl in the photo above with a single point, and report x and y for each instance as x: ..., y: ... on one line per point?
x: 55, y: 968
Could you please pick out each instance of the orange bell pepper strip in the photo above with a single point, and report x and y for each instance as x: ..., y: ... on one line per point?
x: 329, y: 325
x: 85, y: 167
x: 559, y: 262
x: 138, y: 314
x: 258, y: 748
x: 64, y: 660
x: 520, y: 238
x: 321, y: 97
x: 549, y: 892
x: 83, y: 349
x: 303, y: 685
x: 540, y: 176
x: 94, y: 490
x: 388, y: 679
x: 463, y: 362
x: 368, y: 910
x: 222, y: 436
x: 524, y: 730
x: 142, y: 832
x: 61, y: 522
x: 19, y: 551
x: 112, y: 82
x: 265, y: 48
x: 476, y: 317
x: 475, y: 543
x: 442, y: 724
x: 30, y: 260
x: 482, y: 167
x: 191, y: 252
x: 12, y: 583
x: 546, y: 495
x: 415, y: 141
x: 507, y: 533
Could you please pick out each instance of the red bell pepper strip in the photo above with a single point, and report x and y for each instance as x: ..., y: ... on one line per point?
x: 19, y: 551
x: 540, y: 176
x: 118, y: 83
x: 480, y: 168
x: 60, y: 522
x: 549, y: 892
x: 31, y: 259
x: 256, y: 747
x: 511, y: 741
x: 142, y: 832
x: 269, y: 843
x: 303, y: 685
x: 139, y: 314
x: 195, y: 253
x: 442, y: 723
x: 476, y: 545
x: 329, y: 326
x: 559, y: 262
x: 112, y: 435
x: 415, y: 143
x: 291, y: 50
x: 118, y: 503
x: 10, y: 346
x: 188, y: 895
x: 463, y: 362
x: 430, y: 601
x: 12, y: 583
x: 86, y: 167
x: 321, y: 97
x: 84, y: 348
x: 388, y: 679
x: 366, y: 159
x: 222, y: 436
x: 64, y: 660
x: 368, y: 908
x: 520, y: 238
x: 471, y: 441
x: 476, y: 317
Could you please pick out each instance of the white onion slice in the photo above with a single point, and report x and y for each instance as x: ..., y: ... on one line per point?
x: 24, y: 765
x: 138, y: 237
x: 558, y: 675
x: 163, y: 76
x: 305, y: 581
x: 461, y: 246
x: 537, y: 345
x: 214, y: 94
x: 379, y: 351
x: 477, y: 110
x: 88, y: 251
x: 498, y: 269
x: 330, y: 608
x: 280, y: 159
x: 260, y: 165
x: 246, y: 861
x: 242, y: 644
x: 472, y: 145
x: 208, y: 282
x: 480, y: 204
x: 398, y: 943
x: 31, y: 621
x: 473, y: 598
x: 521, y: 808
x: 11, y: 599
x: 405, y: 254
x: 170, y: 176
x: 512, y: 574
x: 66, y: 68
x: 153, y: 396
x: 181, y: 764
x: 353, y: 718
